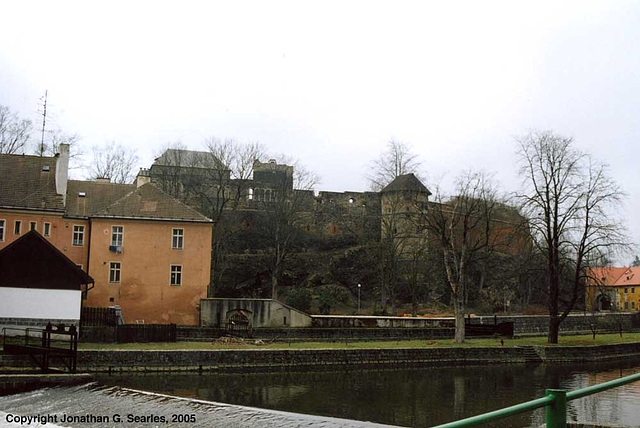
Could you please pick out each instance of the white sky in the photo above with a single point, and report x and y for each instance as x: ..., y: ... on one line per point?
x: 329, y: 83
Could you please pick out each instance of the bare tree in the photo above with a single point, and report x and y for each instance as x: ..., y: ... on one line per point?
x: 571, y: 203
x: 223, y: 189
x: 52, y: 142
x: 396, y: 160
x: 289, y: 200
x: 115, y: 162
x: 14, y: 132
x: 464, y: 228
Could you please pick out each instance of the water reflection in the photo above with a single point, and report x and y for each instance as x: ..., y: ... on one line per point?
x: 410, y: 397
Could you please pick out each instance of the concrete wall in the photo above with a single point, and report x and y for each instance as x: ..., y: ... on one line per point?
x: 263, y: 313
x: 522, y: 323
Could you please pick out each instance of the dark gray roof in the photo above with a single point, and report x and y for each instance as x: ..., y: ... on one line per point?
x: 96, y: 196
x: 189, y: 159
x: 149, y: 202
x: 33, y: 262
x: 406, y: 183
x: 24, y: 183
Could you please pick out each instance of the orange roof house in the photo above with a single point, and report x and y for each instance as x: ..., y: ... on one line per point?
x: 148, y: 252
x: 616, y: 288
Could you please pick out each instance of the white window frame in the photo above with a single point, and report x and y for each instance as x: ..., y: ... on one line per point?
x: 33, y: 225
x: 114, y: 233
x: 18, y: 224
x: 80, y: 231
x: 3, y: 229
x: 116, y: 270
x: 46, y: 229
x: 175, y: 281
x: 177, y: 238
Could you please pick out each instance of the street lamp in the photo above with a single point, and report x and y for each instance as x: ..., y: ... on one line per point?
x: 359, y: 287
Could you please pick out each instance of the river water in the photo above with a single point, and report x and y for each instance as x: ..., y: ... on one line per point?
x: 404, y: 397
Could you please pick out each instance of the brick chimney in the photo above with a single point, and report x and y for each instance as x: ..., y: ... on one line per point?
x: 62, y: 171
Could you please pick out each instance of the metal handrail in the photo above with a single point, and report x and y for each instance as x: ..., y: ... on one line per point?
x: 555, y: 402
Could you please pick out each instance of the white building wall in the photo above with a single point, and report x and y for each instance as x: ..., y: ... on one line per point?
x: 39, y: 303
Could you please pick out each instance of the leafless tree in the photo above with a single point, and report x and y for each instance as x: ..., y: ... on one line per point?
x: 115, y: 162
x: 52, y: 141
x: 285, y: 214
x: 14, y: 132
x: 223, y: 189
x: 571, y: 202
x: 464, y: 228
x: 396, y: 160
x: 214, y: 181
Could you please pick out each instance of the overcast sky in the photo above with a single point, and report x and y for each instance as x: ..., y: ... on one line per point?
x: 330, y: 83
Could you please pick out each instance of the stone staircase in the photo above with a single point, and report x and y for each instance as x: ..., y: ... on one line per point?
x: 531, y: 354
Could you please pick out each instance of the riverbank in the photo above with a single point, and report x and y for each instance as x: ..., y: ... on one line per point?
x: 248, y: 360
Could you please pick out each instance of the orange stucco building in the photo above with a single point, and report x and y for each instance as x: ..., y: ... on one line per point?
x: 148, y: 253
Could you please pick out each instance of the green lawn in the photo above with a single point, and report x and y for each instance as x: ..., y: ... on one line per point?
x: 578, y: 340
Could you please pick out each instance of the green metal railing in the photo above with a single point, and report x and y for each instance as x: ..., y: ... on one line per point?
x: 555, y: 402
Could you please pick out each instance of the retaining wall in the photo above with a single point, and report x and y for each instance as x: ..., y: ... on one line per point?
x: 522, y: 324
x: 287, y: 359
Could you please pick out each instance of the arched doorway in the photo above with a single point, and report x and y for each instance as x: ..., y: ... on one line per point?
x: 603, y: 302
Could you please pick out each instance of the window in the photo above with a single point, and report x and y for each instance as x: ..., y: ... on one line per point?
x: 114, y: 272
x: 33, y: 225
x: 633, y: 305
x: 47, y: 229
x: 117, y: 233
x: 17, y: 227
x: 626, y: 305
x: 78, y: 236
x: 177, y: 241
x: 2, y: 230
x: 633, y: 290
x: 626, y: 290
x: 176, y: 275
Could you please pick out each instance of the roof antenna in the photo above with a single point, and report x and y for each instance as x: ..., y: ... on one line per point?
x: 44, y: 120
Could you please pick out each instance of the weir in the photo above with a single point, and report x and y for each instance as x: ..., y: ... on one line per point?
x: 100, y: 406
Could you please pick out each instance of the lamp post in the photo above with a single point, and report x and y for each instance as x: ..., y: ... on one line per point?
x: 359, y: 287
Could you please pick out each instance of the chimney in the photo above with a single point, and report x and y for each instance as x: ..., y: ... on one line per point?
x: 62, y: 171
x: 143, y: 177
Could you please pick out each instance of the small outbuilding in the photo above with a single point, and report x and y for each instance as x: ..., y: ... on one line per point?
x: 39, y: 285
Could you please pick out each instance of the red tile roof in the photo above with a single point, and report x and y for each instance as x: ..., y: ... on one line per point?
x: 615, y: 276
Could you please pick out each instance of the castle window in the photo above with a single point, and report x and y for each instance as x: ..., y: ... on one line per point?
x: 2, y: 222
x: 352, y: 200
x: 17, y: 226
x: 250, y: 193
x: 46, y: 231
x: 33, y: 225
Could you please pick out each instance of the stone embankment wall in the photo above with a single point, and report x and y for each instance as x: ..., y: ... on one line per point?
x: 310, y: 359
x: 321, y: 334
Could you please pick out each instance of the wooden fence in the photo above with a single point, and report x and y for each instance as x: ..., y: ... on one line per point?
x: 146, y: 333
x: 99, y: 317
